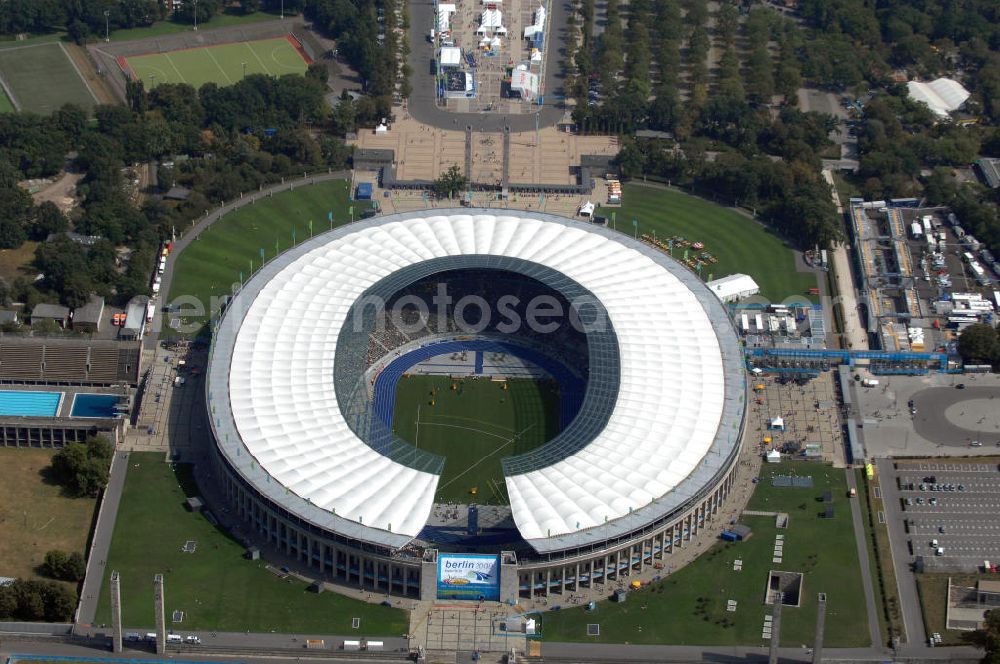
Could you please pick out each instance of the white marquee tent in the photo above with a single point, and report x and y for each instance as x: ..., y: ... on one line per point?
x: 733, y: 287
x: 942, y: 95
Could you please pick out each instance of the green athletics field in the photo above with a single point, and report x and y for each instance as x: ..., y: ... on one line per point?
x: 211, y: 264
x: 475, y: 423
x: 41, y: 77
x: 739, y: 243
x: 224, y: 64
x: 688, y: 607
x: 216, y: 587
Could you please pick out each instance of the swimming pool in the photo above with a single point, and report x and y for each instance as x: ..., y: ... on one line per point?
x: 94, y: 405
x: 31, y: 404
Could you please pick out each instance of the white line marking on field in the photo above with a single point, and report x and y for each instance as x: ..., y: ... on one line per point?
x: 209, y: 51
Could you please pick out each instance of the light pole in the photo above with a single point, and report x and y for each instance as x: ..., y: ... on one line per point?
x: 107, y: 25
x: 152, y: 81
x: 244, y: 70
x: 196, y: 15
x: 282, y: 8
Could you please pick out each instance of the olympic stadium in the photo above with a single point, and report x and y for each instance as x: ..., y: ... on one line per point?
x: 627, y: 451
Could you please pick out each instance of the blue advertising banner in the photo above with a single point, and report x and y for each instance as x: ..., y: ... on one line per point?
x: 468, y: 576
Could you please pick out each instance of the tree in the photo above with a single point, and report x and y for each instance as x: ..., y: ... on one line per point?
x: 451, y: 182
x: 988, y: 637
x: 249, y: 6
x: 48, y: 219
x: 82, y: 468
x: 977, y: 344
x: 64, y: 567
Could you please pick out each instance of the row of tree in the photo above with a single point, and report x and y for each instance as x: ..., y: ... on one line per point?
x: 234, y: 139
x: 29, y: 600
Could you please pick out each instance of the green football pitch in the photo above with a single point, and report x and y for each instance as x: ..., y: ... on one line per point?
x: 41, y: 77
x: 224, y: 64
x: 474, y: 423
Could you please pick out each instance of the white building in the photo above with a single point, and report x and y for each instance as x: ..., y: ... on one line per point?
x: 491, y: 23
x: 537, y: 25
x: 734, y: 287
x: 444, y: 17
x: 451, y: 56
x: 524, y: 83
x: 942, y: 95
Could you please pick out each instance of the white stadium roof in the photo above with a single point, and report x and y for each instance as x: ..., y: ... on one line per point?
x: 942, y: 95
x: 283, y: 412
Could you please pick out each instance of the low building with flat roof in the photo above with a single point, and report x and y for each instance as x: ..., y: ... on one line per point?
x: 88, y: 317
x: 56, y: 313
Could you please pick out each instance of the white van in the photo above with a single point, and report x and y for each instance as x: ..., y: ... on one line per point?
x: 175, y: 638
x: 939, y: 551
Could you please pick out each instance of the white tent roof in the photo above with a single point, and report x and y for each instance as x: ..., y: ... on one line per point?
x: 942, y: 95
x: 586, y: 208
x: 451, y: 56
x: 733, y: 286
x: 491, y: 19
x: 275, y: 391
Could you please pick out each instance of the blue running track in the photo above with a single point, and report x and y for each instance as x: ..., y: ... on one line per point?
x: 571, y: 387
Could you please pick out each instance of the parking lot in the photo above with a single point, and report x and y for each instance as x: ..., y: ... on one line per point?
x: 949, y: 512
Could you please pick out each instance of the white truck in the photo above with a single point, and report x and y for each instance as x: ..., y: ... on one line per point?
x: 869, y: 382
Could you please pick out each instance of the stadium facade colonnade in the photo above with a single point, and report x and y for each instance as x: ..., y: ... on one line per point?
x: 659, y: 466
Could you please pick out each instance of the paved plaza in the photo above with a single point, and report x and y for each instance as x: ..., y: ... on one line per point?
x: 947, y: 421
x: 548, y: 156
x: 809, y: 411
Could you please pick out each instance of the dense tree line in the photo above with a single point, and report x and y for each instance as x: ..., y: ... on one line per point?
x: 235, y: 139
x: 368, y: 34
x: 29, y: 600
x: 788, y: 192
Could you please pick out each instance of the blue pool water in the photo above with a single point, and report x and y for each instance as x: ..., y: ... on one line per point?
x: 94, y: 405
x: 33, y: 404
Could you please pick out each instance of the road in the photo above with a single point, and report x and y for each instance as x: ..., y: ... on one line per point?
x: 866, y: 572
x: 422, y: 104
x: 909, y: 599
x: 101, y: 543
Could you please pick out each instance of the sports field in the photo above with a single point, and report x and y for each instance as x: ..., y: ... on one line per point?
x: 224, y: 64
x: 739, y: 243
x: 475, y: 422
x: 216, y: 587
x: 210, y: 265
x: 6, y: 106
x: 688, y: 607
x: 42, y: 78
x: 35, y: 516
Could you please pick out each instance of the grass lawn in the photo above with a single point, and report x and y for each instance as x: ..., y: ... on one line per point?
x: 35, y: 516
x: 16, y: 263
x: 474, y: 426
x: 215, y: 586
x: 6, y: 105
x: 689, y: 606
x: 739, y: 243
x: 210, y: 265
x: 224, y: 64
x: 226, y: 19
x: 42, y: 78
x: 933, y: 590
